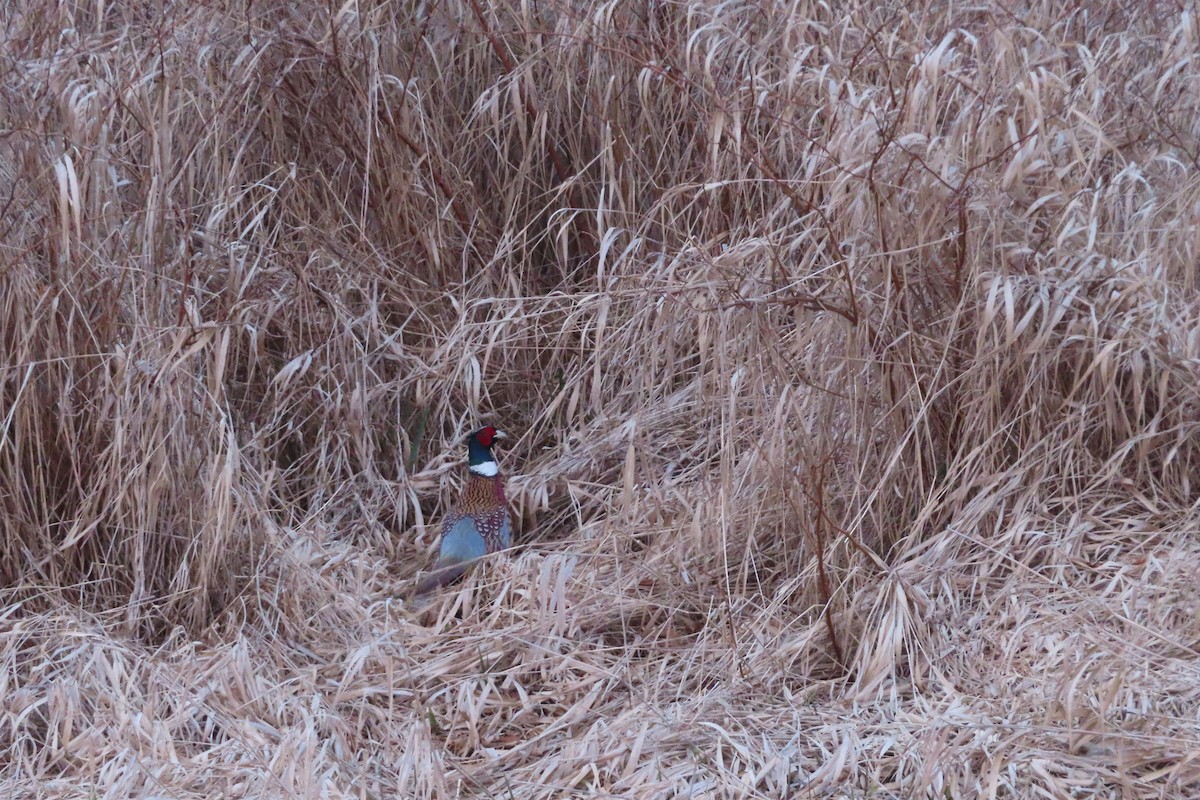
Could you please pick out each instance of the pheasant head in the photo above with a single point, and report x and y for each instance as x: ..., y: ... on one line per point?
x: 479, y: 451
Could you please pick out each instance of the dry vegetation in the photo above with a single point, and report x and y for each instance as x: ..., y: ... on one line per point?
x: 853, y: 358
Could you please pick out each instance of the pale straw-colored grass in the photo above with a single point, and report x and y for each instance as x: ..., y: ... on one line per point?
x: 852, y: 355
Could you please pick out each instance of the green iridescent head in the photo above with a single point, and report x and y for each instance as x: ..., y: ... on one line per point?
x: 479, y: 450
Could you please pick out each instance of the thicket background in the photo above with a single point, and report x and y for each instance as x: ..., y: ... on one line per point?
x: 852, y: 356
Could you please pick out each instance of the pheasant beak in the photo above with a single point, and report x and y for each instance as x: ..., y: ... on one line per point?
x: 500, y: 435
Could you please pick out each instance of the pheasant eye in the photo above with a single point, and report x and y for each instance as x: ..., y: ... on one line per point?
x: 485, y: 436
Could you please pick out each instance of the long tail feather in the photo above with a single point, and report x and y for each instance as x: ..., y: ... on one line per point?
x: 439, y: 578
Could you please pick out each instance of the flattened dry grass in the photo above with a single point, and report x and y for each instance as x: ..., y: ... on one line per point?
x: 853, y: 358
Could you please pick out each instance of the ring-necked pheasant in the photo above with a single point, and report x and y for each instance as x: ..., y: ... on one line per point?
x: 479, y: 523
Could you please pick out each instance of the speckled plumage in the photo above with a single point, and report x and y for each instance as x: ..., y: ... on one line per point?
x: 483, y: 500
x: 480, y: 522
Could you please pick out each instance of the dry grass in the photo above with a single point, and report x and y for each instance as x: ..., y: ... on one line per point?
x: 854, y: 358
